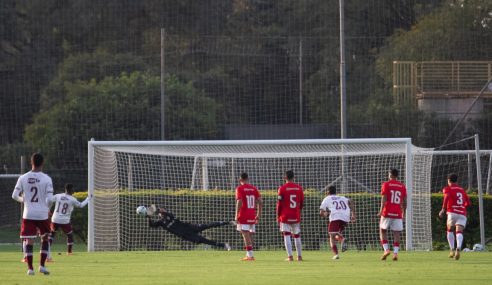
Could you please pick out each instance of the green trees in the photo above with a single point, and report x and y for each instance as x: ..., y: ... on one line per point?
x: 124, y: 106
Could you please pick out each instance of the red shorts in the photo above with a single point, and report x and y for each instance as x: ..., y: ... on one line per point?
x: 336, y: 226
x: 29, y: 228
x: 66, y: 228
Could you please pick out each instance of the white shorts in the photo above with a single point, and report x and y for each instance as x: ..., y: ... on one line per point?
x: 456, y: 219
x: 390, y: 223
x: 246, y: 228
x: 291, y: 228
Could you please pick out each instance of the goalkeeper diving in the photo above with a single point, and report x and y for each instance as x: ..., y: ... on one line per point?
x: 186, y: 231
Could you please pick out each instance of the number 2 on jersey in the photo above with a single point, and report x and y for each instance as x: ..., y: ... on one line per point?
x: 34, y: 198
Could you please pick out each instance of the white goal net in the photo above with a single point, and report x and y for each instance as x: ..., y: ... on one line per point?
x: 196, y: 181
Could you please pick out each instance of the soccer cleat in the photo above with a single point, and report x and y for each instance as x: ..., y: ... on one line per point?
x: 290, y: 258
x: 44, y: 270
x: 395, y: 257
x: 385, y: 254
x: 299, y: 258
x: 457, y: 254
x: 30, y: 272
x: 248, y: 258
x: 451, y: 254
x: 69, y: 253
x: 335, y: 257
x: 49, y: 259
x: 227, y: 247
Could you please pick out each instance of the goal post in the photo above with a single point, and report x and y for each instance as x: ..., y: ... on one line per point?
x: 409, y: 186
x: 196, y: 181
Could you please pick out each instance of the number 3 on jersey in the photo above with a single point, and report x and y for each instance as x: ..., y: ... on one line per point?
x: 459, y: 199
x: 395, y: 197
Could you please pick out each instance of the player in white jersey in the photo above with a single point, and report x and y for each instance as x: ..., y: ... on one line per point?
x: 64, y: 205
x: 35, y: 190
x: 341, y: 211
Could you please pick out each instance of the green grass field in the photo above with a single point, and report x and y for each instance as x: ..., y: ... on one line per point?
x: 221, y: 267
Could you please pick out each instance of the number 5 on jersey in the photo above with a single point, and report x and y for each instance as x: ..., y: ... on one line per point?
x: 293, y: 203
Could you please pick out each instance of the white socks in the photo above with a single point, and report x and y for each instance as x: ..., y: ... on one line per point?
x: 459, y: 240
x: 249, y: 253
x: 396, y: 249
x: 450, y: 236
x: 385, y: 246
x: 288, y: 245
x: 298, y: 246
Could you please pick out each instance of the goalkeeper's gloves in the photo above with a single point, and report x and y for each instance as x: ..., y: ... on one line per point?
x: 151, y: 210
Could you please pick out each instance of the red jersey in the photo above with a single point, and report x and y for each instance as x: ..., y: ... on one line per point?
x: 290, y: 203
x: 395, y: 193
x: 248, y: 194
x: 455, y: 199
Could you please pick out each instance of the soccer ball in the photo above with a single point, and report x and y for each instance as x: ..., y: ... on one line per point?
x: 478, y: 247
x: 142, y: 210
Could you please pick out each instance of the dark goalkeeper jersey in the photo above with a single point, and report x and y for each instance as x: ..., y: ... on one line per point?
x: 173, y: 225
x: 187, y: 231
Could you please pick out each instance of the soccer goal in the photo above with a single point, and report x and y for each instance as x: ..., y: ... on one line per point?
x: 196, y: 181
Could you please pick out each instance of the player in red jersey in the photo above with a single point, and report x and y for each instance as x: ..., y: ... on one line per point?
x: 393, y: 205
x: 248, y: 212
x: 454, y: 204
x: 35, y: 189
x: 289, y: 205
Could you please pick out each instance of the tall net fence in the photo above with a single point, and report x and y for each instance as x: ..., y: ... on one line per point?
x: 244, y: 69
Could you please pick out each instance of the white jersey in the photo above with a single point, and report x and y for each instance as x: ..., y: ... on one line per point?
x: 36, y: 189
x: 338, y: 206
x: 64, y: 204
